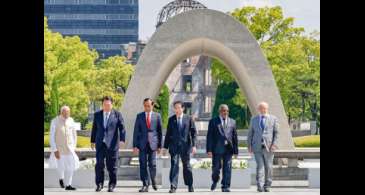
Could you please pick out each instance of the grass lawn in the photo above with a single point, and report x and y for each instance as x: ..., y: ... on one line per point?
x: 82, y: 142
x: 301, y: 142
x: 307, y: 141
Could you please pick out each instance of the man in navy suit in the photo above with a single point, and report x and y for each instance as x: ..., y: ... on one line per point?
x: 180, y: 139
x: 147, y: 141
x: 222, y: 144
x: 107, y: 136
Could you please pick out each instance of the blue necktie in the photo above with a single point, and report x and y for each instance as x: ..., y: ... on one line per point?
x: 262, y: 122
x: 181, y: 131
x: 179, y: 123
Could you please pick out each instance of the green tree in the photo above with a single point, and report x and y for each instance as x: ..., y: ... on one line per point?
x: 72, y: 78
x: 111, y: 77
x: 226, y: 94
x: 162, y: 104
x: 55, y: 105
x: 296, y: 67
x: 67, y: 65
x: 294, y: 59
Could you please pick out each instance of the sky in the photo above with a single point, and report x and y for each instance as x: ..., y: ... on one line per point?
x: 305, y: 12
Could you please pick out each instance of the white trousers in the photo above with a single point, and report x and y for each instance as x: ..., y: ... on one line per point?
x: 65, y: 168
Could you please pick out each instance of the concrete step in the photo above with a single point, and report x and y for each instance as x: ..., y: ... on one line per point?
x: 126, y: 172
x: 279, y: 174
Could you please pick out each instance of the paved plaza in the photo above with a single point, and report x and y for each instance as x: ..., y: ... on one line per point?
x: 134, y: 191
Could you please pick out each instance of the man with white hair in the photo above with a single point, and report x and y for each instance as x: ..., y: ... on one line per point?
x: 262, y: 140
x: 63, y: 141
x: 222, y: 144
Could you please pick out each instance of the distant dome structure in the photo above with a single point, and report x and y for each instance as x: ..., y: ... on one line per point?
x: 176, y: 7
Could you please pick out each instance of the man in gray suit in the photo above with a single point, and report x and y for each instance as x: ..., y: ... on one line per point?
x: 262, y: 140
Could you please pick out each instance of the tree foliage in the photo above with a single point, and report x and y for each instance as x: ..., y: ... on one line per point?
x: 73, y: 77
x: 293, y: 56
x: 162, y: 104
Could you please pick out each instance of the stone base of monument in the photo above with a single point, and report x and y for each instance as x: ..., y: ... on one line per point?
x: 82, y: 178
x: 313, y: 167
x: 314, y: 177
x: 241, y: 178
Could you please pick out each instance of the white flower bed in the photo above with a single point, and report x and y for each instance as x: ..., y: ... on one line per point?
x: 202, y: 174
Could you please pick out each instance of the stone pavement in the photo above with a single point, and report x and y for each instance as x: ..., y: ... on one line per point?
x: 134, y: 191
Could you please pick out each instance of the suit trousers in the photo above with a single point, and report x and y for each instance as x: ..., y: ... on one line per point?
x: 187, y: 169
x: 264, y: 164
x: 111, y: 157
x: 147, y: 165
x: 227, y: 168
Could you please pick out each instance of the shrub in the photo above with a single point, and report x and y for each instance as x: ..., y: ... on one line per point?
x: 89, y: 125
x: 46, y: 126
x: 162, y: 105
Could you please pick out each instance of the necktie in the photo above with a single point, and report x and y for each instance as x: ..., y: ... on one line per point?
x: 148, y: 121
x: 106, y: 119
x: 179, y: 122
x: 224, y: 123
x: 180, y: 127
x: 262, y: 122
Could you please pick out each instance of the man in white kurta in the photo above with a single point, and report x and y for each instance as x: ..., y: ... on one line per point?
x: 63, y: 139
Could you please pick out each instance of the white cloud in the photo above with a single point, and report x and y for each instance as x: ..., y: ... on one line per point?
x: 257, y: 3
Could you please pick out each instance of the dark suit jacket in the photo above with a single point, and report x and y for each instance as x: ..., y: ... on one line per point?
x: 115, y: 130
x: 141, y: 132
x: 187, y: 138
x: 216, y: 136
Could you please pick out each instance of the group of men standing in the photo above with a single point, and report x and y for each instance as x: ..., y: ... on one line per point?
x: 108, y: 135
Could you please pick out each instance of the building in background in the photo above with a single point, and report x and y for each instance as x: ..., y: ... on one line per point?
x: 191, y: 80
x: 132, y: 51
x: 104, y: 24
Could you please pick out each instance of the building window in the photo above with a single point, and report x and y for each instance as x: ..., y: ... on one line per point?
x: 187, y: 109
x: 208, y: 104
x: 187, y: 83
x: 208, y: 77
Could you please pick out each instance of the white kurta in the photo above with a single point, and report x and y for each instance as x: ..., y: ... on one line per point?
x: 69, y: 161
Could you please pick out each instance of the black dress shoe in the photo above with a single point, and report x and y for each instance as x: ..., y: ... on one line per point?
x: 99, y: 187
x: 191, y: 189
x: 267, y: 189
x: 144, y: 189
x: 172, y: 190
x: 61, y: 183
x: 70, y: 188
x: 154, y: 187
x: 226, y: 190
x: 260, y: 189
x: 111, y: 188
x: 214, y: 185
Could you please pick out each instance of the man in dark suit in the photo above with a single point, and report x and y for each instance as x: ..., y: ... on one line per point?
x: 107, y: 136
x: 147, y: 141
x: 222, y: 144
x: 180, y: 139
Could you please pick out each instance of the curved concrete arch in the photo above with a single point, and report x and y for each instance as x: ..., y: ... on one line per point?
x: 211, y: 33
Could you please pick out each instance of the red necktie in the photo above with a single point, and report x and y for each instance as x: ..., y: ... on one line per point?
x: 148, y: 121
